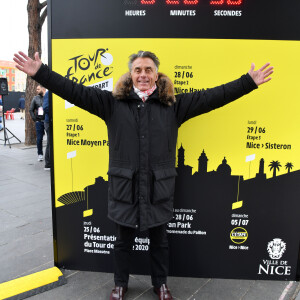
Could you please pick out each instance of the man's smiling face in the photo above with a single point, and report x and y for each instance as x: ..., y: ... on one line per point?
x: 143, y: 73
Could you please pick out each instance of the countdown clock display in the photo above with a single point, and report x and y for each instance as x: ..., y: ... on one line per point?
x: 237, y: 191
x: 185, y: 2
x: 245, y: 19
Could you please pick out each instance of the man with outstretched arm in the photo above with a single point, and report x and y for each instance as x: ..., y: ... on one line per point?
x: 143, y: 116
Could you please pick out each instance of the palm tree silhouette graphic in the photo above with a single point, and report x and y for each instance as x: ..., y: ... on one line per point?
x: 289, y: 166
x: 274, y: 165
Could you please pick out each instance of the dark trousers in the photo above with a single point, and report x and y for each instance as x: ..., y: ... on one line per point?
x: 47, y: 154
x: 39, y: 127
x: 159, y: 254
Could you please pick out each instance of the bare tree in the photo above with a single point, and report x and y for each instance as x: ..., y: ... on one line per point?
x: 37, y: 13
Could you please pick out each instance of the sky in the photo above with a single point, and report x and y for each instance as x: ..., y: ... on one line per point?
x: 14, y: 31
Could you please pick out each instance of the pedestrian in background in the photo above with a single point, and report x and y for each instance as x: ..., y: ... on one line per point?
x: 22, y: 107
x: 1, y: 114
x: 37, y: 115
x: 46, y: 126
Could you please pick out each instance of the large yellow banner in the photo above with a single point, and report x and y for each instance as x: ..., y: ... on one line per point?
x: 263, y: 124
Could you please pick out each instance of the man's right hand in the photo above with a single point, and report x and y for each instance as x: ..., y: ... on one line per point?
x: 26, y: 64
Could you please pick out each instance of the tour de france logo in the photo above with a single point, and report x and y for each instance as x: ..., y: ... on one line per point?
x: 276, y: 248
x: 85, y: 68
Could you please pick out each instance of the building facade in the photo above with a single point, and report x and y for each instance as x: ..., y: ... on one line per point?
x: 16, y: 79
x: 8, y: 70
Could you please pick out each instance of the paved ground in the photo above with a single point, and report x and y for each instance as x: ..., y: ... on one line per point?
x: 26, y: 241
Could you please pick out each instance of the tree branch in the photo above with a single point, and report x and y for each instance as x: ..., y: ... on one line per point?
x: 42, y: 5
x: 43, y: 17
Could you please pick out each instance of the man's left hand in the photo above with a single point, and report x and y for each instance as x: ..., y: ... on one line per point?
x: 261, y: 75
